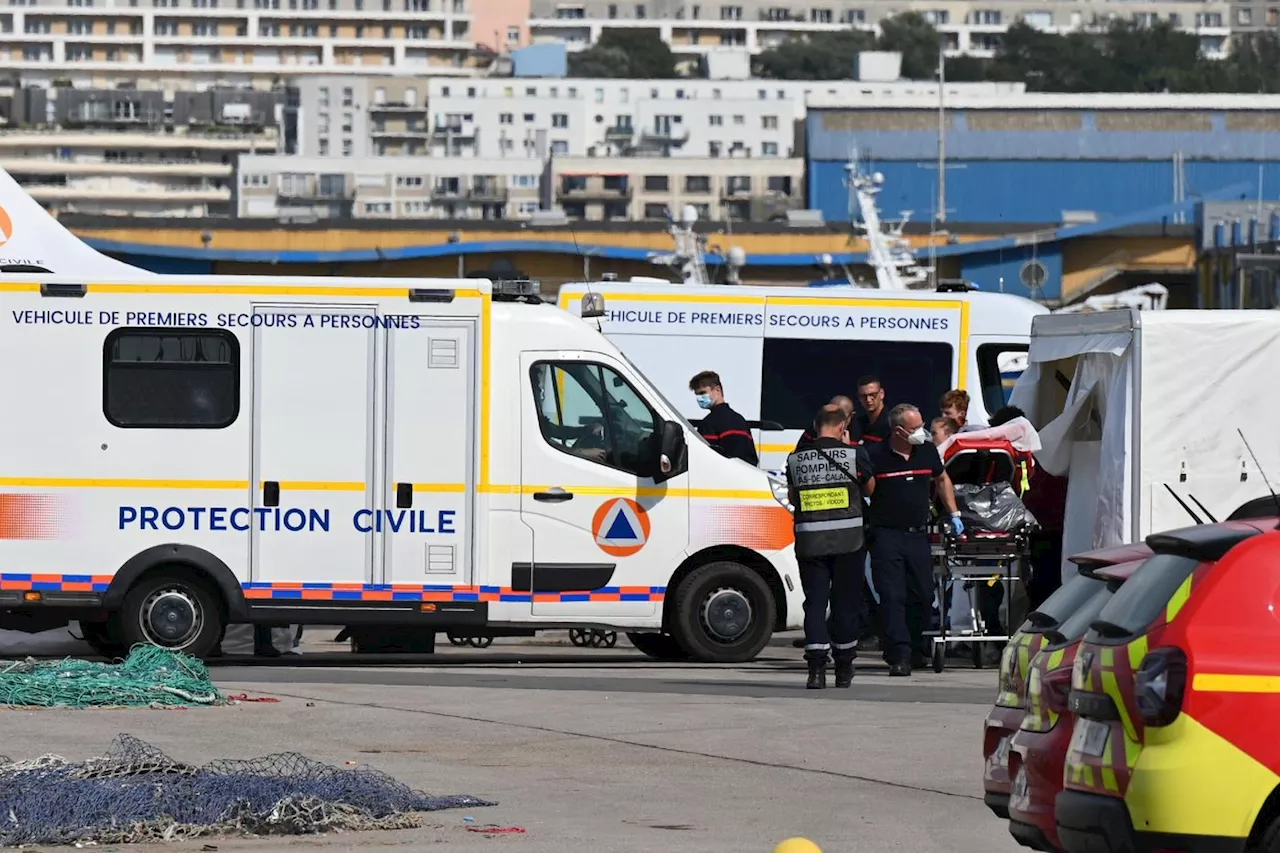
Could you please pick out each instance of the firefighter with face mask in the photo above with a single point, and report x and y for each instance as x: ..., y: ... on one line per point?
x: 905, y: 467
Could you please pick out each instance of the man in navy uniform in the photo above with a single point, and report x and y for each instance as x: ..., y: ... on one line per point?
x: 905, y: 467
x: 873, y: 421
x: 723, y: 428
x: 825, y: 482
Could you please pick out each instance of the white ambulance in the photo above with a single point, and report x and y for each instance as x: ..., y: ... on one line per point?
x: 782, y: 352
x: 179, y: 453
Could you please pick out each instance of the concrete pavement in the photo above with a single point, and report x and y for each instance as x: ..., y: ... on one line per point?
x: 601, y: 750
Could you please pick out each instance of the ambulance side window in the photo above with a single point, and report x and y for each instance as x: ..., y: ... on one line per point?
x: 589, y: 411
x: 800, y: 375
x: 171, y: 378
x: 999, y: 366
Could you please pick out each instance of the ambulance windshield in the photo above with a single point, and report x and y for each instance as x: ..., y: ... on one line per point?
x: 1142, y: 599
x: 673, y: 411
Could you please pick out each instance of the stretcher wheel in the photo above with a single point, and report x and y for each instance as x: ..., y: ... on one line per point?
x: 939, y: 657
x: 480, y: 642
x: 455, y: 640
x: 580, y: 637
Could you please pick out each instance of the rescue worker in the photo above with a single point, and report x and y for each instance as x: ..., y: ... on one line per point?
x: 845, y: 405
x: 825, y: 483
x: 723, y: 428
x: 901, y: 559
x: 873, y: 423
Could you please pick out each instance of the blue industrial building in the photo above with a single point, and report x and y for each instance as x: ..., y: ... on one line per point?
x: 1045, y: 159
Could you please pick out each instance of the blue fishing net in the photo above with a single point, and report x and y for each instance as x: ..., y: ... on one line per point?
x: 136, y: 793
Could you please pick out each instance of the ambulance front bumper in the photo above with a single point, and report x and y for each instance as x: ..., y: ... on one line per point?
x: 1095, y: 823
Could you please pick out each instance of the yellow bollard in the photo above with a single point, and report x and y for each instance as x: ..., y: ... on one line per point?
x: 797, y: 845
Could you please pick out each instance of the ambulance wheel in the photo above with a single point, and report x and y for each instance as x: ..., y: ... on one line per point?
x: 658, y: 646
x: 1270, y: 839
x: 174, y: 610
x: 723, y: 613
x: 939, y: 657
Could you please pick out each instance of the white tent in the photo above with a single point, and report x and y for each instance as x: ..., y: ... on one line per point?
x: 1140, y: 410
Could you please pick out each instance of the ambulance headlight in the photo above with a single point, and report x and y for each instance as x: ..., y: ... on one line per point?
x: 779, y: 487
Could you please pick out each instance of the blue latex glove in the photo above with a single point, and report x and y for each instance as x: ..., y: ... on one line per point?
x: 957, y: 525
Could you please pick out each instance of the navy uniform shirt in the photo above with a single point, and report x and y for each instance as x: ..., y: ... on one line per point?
x: 727, y: 431
x: 809, y: 436
x: 874, y: 432
x: 903, y: 485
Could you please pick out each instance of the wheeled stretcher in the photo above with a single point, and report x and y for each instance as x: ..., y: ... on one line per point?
x: 989, y: 474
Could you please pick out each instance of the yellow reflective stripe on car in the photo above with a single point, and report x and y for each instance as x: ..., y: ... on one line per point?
x: 1179, y: 599
x: 1112, y: 688
x: 1137, y: 652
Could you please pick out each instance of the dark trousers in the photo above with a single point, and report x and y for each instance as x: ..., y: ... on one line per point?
x: 902, y: 569
x: 835, y: 580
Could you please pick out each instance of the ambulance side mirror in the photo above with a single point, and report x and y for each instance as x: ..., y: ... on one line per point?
x: 673, y: 453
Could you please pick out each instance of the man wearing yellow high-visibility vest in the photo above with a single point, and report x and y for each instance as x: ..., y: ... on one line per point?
x: 825, y: 484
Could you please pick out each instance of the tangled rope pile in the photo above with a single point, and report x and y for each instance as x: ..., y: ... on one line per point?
x: 136, y: 793
x: 149, y: 677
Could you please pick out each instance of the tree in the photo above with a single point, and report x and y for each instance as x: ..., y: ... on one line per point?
x: 627, y: 54
x: 911, y: 34
x: 821, y: 56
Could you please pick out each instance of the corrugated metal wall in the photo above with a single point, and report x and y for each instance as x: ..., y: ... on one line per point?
x: 1021, y: 165
x: 1020, y: 191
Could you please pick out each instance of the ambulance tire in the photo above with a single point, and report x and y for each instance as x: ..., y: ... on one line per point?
x: 184, y: 610
x: 658, y: 646
x: 723, y: 613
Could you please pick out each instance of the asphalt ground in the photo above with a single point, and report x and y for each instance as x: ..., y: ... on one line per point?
x: 598, y: 749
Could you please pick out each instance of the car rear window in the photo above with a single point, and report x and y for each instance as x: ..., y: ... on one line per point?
x: 1068, y: 598
x: 1142, y: 598
x: 1075, y: 625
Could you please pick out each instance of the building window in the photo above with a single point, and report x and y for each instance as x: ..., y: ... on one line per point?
x: 513, y: 36
x: 559, y: 120
x: 820, y: 16
x: 171, y: 378
x: 348, y: 96
x: 697, y: 184
x: 408, y: 181
x: 731, y: 13
x: 769, y: 149
x: 322, y: 148
x: 656, y: 183
x: 1244, y: 17
x: 716, y: 121
x: 347, y: 147
x: 506, y: 118
x: 987, y: 17
x: 769, y: 122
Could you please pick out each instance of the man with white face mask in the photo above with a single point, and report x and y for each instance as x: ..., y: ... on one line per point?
x: 904, y: 468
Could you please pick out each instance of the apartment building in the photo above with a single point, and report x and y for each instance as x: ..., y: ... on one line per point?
x: 309, y: 189
x: 166, y: 43
x: 537, y: 118
x: 649, y: 188
x: 134, y: 153
x: 968, y: 26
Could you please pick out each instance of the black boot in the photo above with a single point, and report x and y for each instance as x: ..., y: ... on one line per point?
x: 844, y: 669
x: 817, y: 670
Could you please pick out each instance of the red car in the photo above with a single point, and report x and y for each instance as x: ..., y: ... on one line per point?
x: 1039, y: 749
x: 1010, y: 707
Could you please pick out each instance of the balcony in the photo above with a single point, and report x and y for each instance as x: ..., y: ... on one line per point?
x: 310, y: 189
x: 447, y: 192
x: 620, y: 133
x: 454, y: 129
x: 731, y: 189
x: 594, y: 192
x: 397, y: 107
x: 488, y: 192
x: 410, y: 129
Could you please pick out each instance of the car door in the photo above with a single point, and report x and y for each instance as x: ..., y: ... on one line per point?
x: 606, y: 538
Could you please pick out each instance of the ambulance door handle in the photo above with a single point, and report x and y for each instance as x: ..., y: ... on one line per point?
x: 404, y: 495
x: 271, y: 493
x: 553, y: 495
